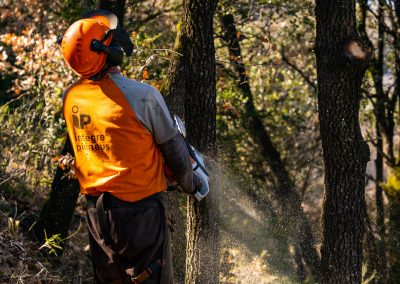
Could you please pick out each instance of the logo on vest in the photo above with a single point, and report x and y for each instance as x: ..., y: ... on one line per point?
x: 80, y: 120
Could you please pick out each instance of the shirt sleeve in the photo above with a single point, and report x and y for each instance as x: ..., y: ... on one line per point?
x: 159, y: 118
x: 149, y: 107
x: 177, y: 158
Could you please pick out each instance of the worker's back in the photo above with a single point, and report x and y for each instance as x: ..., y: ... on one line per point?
x: 114, y: 126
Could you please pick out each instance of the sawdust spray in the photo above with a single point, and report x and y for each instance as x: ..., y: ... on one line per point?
x: 255, y: 248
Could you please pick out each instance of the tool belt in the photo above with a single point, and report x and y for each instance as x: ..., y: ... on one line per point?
x: 107, y: 201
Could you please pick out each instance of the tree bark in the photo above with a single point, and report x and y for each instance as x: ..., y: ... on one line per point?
x: 57, y: 211
x: 381, y: 265
x: 174, y: 86
x: 196, y: 44
x: 393, y: 240
x: 342, y: 60
x: 288, y: 197
x: 174, y: 89
x: 115, y: 6
x: 381, y: 123
x: 394, y: 200
x: 189, y: 91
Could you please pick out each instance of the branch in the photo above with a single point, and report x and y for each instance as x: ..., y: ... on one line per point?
x: 301, y: 73
x: 387, y: 29
x: 11, y: 175
x: 368, y: 96
x: 277, y: 5
x: 242, y: 65
x: 13, y: 100
x: 372, y: 141
x: 228, y: 72
x: 151, y: 17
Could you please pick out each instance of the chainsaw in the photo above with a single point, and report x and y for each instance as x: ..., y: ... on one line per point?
x: 197, y: 164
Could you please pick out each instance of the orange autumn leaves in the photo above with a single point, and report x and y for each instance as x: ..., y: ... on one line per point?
x: 35, y: 74
x: 146, y: 75
x: 32, y: 59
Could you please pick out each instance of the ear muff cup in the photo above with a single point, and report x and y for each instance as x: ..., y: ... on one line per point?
x: 115, y: 55
x: 114, y: 52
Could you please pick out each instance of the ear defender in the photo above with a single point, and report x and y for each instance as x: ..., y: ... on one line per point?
x: 114, y: 52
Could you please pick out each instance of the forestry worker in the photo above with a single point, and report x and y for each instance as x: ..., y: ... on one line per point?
x: 122, y: 135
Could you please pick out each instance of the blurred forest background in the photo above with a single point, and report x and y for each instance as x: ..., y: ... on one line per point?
x: 266, y: 235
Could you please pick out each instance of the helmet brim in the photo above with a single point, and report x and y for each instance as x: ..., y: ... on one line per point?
x: 104, y: 16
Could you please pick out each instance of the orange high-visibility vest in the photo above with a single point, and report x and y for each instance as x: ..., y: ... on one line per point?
x: 114, y: 125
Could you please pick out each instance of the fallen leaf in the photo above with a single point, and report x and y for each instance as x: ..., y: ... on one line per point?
x: 145, y: 75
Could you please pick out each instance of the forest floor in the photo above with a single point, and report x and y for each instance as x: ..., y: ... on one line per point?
x: 253, y: 250
x: 23, y: 260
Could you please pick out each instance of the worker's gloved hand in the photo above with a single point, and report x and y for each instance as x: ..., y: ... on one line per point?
x: 200, y: 177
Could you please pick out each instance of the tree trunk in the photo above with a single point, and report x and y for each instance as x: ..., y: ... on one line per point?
x: 393, y: 239
x: 288, y: 197
x: 381, y: 263
x: 174, y: 86
x: 195, y: 38
x: 341, y: 63
x: 394, y: 199
x: 174, y: 89
x: 57, y: 211
x: 377, y: 72
x: 115, y: 6
x: 197, y: 47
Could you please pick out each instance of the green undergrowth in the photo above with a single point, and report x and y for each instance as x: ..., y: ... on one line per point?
x: 24, y: 260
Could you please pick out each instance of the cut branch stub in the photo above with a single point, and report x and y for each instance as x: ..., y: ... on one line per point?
x: 356, y: 50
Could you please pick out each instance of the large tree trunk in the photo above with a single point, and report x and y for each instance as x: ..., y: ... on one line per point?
x: 57, y: 211
x: 196, y: 38
x: 190, y: 92
x: 174, y: 89
x: 341, y: 63
x: 286, y: 193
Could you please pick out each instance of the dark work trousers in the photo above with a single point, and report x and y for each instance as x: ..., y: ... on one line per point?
x: 140, y: 233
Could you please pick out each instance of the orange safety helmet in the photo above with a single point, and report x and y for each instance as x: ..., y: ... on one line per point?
x: 76, y: 45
